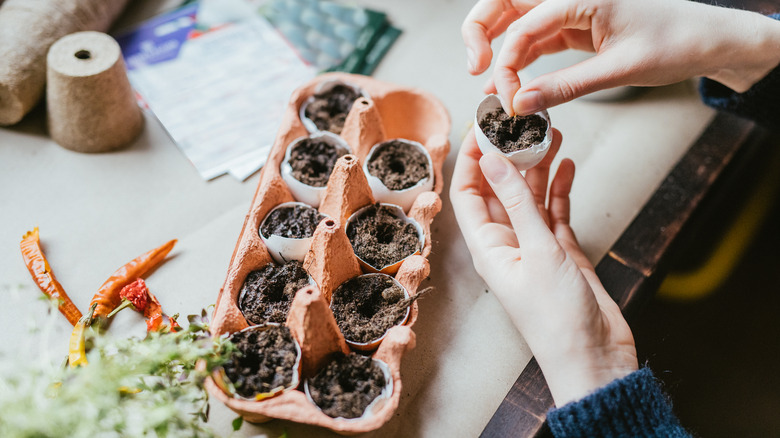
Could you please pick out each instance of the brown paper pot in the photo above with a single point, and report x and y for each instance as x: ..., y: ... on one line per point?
x: 392, y: 112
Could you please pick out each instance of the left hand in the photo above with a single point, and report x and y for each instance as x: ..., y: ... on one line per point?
x: 525, y: 250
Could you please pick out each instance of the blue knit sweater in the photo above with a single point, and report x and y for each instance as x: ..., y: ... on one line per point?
x: 634, y: 406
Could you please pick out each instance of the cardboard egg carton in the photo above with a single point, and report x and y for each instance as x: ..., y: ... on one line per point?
x: 391, y: 112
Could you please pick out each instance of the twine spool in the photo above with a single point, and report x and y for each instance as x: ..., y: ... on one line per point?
x: 91, y: 106
x: 27, y: 29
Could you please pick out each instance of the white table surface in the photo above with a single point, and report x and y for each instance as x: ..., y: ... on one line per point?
x: 96, y: 212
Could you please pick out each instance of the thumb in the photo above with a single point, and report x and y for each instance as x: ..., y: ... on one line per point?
x: 593, y: 74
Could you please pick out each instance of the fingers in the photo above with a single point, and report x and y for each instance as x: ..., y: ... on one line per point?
x: 486, y: 19
x: 466, y: 188
x: 605, y: 70
x: 559, y: 193
x: 518, y: 200
x: 560, y: 216
x: 540, y: 23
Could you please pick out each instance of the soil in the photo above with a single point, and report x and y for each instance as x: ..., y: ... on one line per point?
x: 380, y: 238
x: 398, y: 165
x: 365, y: 307
x: 312, y: 161
x: 268, y: 292
x: 347, y: 385
x: 264, y: 360
x: 329, y: 109
x: 510, y: 134
x: 295, y: 222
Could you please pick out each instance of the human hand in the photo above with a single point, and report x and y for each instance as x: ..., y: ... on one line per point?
x: 525, y: 250
x: 642, y: 43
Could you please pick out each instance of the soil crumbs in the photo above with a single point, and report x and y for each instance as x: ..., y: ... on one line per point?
x: 510, y: 134
x: 312, y: 161
x: 380, y: 238
x: 268, y: 292
x: 347, y: 385
x: 329, y: 109
x: 365, y: 307
x: 398, y: 165
x: 264, y: 360
x: 295, y: 222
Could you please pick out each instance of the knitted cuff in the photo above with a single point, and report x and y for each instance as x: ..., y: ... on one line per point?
x: 632, y: 406
x: 760, y: 103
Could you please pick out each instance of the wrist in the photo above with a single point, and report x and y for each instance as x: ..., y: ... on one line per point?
x: 575, y: 376
x: 748, y: 48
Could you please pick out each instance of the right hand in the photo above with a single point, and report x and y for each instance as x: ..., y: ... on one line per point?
x: 642, y: 43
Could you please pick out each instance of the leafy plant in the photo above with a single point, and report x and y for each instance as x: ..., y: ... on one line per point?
x: 131, y: 388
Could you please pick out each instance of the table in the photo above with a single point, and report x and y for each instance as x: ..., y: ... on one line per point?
x: 96, y: 212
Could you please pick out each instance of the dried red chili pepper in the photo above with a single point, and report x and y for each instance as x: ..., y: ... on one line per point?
x: 41, y: 272
x: 137, y: 294
x: 107, y: 297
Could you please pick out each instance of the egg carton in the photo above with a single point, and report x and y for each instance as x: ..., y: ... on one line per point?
x: 391, y: 111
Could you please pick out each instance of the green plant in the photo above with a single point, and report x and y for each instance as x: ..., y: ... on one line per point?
x: 131, y: 388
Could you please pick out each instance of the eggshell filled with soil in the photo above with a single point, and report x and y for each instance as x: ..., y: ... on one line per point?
x: 524, y: 140
x: 288, y: 229
x: 382, y: 237
x: 398, y: 171
x: 308, y: 164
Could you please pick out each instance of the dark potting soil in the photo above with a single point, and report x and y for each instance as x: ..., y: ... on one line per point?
x: 264, y: 360
x: 295, y: 222
x: 347, y: 385
x: 268, y: 292
x: 312, y: 161
x: 510, y: 134
x: 365, y: 307
x: 380, y: 238
x: 398, y: 165
x: 329, y: 109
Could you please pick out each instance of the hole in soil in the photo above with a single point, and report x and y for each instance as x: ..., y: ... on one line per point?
x: 397, y: 166
x: 83, y: 54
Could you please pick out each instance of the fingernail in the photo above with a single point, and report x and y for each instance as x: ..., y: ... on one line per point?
x: 528, y: 102
x: 494, y: 168
x: 472, y: 59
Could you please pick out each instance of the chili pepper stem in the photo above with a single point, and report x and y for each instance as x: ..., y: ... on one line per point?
x: 125, y: 304
x: 77, y: 348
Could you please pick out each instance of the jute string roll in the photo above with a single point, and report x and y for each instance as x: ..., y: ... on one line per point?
x: 90, y: 104
x: 27, y: 29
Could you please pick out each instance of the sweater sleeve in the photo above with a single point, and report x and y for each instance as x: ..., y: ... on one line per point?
x: 760, y: 103
x: 633, y: 406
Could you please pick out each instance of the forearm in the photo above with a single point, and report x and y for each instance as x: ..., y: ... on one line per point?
x: 745, y: 48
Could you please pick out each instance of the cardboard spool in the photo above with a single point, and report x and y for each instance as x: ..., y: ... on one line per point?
x: 392, y: 112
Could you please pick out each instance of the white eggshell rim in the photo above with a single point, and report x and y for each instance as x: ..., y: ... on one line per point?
x: 284, y: 249
x: 375, y: 405
x: 276, y: 391
x: 399, y: 213
x: 374, y: 343
x: 301, y: 191
x: 522, y: 159
x: 404, y: 197
x: 322, y: 87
